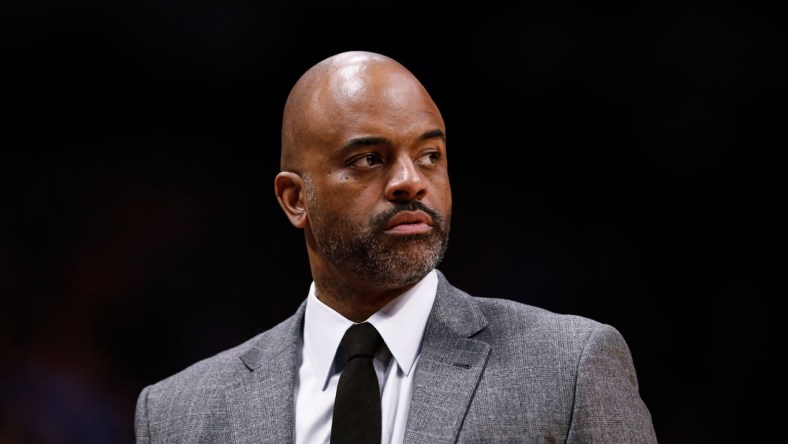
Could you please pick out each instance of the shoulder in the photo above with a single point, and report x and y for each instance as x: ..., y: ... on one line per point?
x: 546, y: 330
x: 211, y: 371
x: 573, y: 374
x: 500, y: 311
x: 193, y: 402
x: 224, y: 368
x: 511, y: 321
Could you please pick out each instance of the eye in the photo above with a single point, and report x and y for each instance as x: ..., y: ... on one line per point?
x: 429, y: 159
x: 366, y: 161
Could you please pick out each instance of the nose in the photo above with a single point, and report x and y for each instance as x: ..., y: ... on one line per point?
x: 405, y: 183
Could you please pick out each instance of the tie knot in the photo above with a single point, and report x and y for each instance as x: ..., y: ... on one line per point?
x: 361, y: 340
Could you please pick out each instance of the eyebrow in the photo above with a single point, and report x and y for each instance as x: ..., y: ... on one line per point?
x: 434, y: 134
x: 371, y: 141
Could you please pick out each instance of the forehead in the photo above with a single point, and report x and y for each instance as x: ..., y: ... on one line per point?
x: 364, y: 99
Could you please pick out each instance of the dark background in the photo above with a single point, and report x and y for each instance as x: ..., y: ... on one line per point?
x: 618, y: 161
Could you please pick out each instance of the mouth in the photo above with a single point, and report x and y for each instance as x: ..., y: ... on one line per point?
x: 408, y: 222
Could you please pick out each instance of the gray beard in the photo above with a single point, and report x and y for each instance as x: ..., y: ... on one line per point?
x: 363, y: 251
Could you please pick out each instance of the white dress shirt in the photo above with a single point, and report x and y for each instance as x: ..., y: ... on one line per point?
x: 400, y: 323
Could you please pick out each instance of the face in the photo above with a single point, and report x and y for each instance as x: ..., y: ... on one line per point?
x: 377, y: 188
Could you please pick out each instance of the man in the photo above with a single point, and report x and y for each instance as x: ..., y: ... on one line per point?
x: 364, y: 174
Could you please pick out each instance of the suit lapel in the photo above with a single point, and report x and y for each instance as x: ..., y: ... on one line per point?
x: 260, y: 404
x: 449, y: 368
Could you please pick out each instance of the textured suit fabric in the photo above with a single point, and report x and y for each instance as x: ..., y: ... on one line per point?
x: 491, y: 370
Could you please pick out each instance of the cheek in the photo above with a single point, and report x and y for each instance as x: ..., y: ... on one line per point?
x: 351, y: 203
x: 443, y: 196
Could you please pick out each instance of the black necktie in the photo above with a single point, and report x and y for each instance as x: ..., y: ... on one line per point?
x: 357, y: 405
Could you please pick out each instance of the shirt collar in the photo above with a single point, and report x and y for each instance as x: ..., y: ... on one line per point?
x: 401, y: 324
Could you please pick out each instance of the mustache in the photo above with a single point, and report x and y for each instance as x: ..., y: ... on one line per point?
x: 380, y: 220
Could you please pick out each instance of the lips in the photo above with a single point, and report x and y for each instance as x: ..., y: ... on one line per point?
x: 409, y: 222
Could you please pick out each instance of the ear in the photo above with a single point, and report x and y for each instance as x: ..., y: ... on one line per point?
x: 291, y: 194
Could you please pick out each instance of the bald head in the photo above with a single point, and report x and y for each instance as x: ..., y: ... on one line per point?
x: 333, y: 91
x: 365, y: 175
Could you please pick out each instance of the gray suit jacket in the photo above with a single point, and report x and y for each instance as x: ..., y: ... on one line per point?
x: 491, y: 370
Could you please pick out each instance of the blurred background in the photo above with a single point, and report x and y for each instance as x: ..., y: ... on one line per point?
x: 617, y: 161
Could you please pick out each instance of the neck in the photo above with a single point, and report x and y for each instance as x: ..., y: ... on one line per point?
x: 354, y: 299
